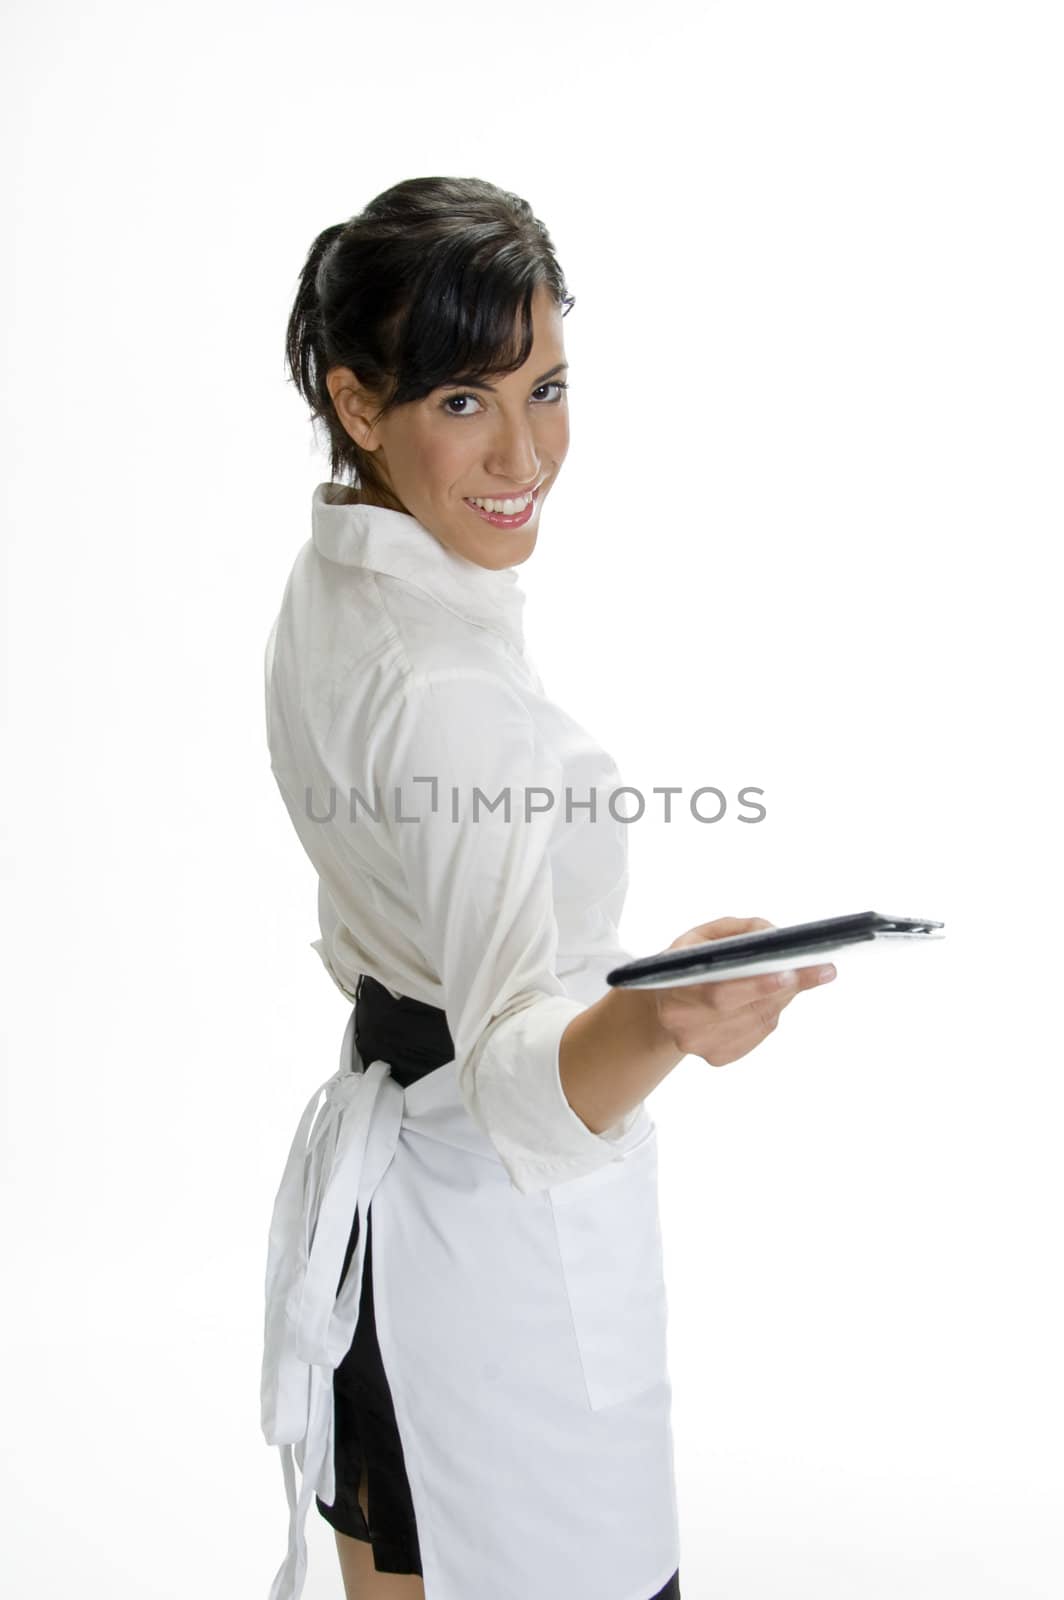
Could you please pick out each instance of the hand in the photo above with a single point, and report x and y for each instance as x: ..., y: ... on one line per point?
x: 722, y: 1021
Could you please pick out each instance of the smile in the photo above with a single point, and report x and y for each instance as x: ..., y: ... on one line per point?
x: 505, y: 513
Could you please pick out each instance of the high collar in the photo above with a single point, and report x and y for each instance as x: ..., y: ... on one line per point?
x: 394, y: 542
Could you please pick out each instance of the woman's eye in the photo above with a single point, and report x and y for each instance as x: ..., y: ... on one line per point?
x: 451, y: 398
x: 555, y: 383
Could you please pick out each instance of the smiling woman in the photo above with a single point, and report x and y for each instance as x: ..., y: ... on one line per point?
x: 427, y: 336
x: 465, y: 1349
x: 490, y: 464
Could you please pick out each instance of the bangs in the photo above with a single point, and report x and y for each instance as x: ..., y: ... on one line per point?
x: 468, y: 315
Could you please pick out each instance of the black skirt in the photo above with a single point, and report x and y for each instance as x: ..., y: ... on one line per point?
x: 415, y: 1040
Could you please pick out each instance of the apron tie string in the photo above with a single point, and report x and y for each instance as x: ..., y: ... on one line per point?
x: 333, y: 1168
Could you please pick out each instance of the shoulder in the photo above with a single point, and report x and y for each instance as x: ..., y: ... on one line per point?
x: 437, y: 642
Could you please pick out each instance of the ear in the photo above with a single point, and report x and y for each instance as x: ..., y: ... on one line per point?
x: 355, y: 406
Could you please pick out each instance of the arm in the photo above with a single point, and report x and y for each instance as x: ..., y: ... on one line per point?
x: 482, y: 886
x: 622, y: 1046
x: 613, y: 1054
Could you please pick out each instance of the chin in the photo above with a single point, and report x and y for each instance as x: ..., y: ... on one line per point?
x: 494, y: 548
x: 512, y: 548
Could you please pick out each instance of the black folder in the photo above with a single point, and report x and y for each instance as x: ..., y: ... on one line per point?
x: 741, y: 955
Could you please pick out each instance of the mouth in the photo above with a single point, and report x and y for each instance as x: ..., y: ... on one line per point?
x: 502, y: 519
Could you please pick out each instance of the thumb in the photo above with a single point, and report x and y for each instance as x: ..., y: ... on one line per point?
x: 720, y: 928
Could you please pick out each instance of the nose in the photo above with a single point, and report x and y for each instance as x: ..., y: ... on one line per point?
x: 513, y: 458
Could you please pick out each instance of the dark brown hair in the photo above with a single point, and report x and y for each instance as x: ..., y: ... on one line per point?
x: 422, y: 288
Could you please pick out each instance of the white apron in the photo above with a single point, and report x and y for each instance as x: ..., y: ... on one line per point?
x: 523, y: 1337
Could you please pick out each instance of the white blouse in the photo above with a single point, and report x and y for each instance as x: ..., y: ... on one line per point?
x: 404, y: 718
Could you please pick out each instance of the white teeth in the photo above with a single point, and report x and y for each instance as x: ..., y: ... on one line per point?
x: 503, y: 508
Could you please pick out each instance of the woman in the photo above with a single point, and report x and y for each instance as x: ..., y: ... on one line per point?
x: 465, y: 1350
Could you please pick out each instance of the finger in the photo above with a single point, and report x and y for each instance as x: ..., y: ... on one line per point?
x: 763, y: 989
x: 738, y: 1032
x: 812, y: 977
x: 735, y: 1033
x: 720, y: 928
x: 733, y: 994
x: 736, y: 1036
x: 796, y: 979
x: 800, y: 980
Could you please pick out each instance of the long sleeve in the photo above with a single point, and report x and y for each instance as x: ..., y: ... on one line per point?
x: 460, y: 749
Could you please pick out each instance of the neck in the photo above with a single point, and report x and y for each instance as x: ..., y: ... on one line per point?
x: 371, y: 494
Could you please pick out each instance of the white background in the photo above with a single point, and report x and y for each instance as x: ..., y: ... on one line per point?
x: 816, y: 363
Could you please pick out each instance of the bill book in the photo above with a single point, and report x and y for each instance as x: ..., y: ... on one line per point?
x: 740, y: 955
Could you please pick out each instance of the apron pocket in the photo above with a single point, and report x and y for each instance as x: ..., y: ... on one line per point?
x: 609, y: 1238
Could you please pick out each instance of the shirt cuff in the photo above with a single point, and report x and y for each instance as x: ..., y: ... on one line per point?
x: 319, y: 946
x: 512, y: 1088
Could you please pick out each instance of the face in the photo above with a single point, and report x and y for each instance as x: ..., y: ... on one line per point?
x: 467, y: 442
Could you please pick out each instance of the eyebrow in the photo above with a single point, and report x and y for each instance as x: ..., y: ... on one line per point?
x: 470, y: 383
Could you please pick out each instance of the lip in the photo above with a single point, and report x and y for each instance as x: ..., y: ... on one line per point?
x: 513, y: 520
x: 511, y: 494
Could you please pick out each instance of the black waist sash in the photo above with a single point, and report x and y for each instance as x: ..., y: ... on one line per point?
x: 410, y: 1035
